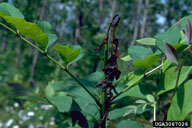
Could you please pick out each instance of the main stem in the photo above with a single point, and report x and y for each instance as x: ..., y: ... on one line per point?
x: 103, y: 106
x: 178, y: 75
x: 52, y: 59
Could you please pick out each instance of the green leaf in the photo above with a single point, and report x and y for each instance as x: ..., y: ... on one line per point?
x: 116, y: 113
x: 28, y: 29
x: 181, y: 103
x: 148, y: 62
x: 144, y: 106
x: 129, y: 123
x: 183, y: 40
x: 124, y: 111
x: 150, y: 98
x: 191, y: 121
x: 143, y: 57
x: 82, y: 101
x: 10, y: 10
x: 95, y: 77
x: 168, y: 81
x: 69, y: 53
x: 140, y: 101
x: 49, y: 91
x: 165, y: 65
x: 62, y: 102
x: 139, y: 91
x: 171, y: 36
x: 140, y: 110
x: 126, y: 58
x: 179, y: 47
x: 47, y: 28
x: 183, y: 21
x: 147, y: 41
x: 70, y: 87
x: 139, y: 52
x: 88, y: 107
x: 134, y: 77
x: 80, y: 55
x: 157, y: 52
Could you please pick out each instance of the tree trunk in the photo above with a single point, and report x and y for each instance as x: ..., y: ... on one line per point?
x: 143, y: 26
x: 136, y: 21
x: 114, y: 5
x: 100, y: 13
x: 61, y: 30
x: 77, y: 32
x: 43, y: 10
x: 100, y: 22
x: 79, y: 24
x: 18, y: 54
x: 36, y: 53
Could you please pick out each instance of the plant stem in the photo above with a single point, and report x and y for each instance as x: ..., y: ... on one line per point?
x: 55, y: 61
x: 153, y: 70
x: 5, y: 26
x: 187, y: 48
x: 178, y: 75
x: 154, y: 112
x: 103, y: 100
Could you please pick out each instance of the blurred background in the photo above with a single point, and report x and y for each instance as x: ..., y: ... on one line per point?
x: 82, y: 22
